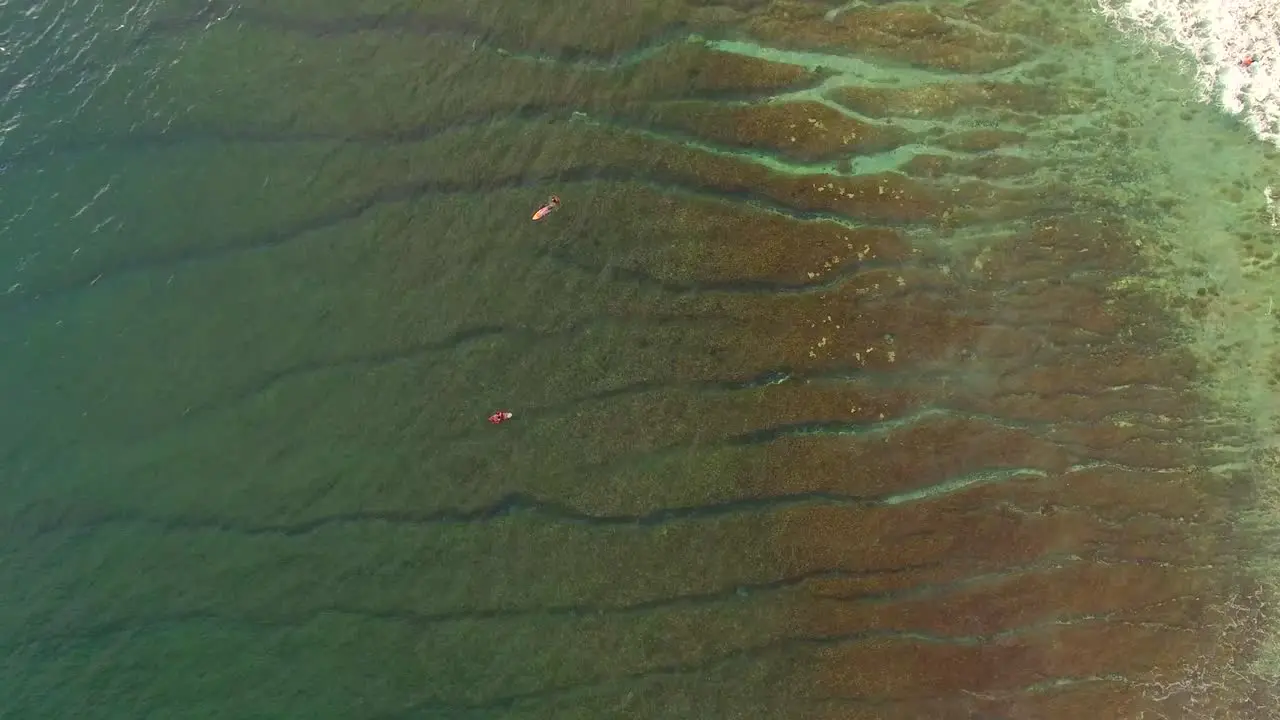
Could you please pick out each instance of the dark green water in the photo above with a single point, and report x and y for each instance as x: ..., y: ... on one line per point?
x: 778, y: 451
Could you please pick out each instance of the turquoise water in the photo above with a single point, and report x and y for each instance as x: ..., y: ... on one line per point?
x: 880, y: 362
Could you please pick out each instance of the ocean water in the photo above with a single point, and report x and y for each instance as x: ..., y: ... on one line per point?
x: 882, y: 360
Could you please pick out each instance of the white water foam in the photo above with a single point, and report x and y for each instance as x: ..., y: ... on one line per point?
x: 1233, y: 44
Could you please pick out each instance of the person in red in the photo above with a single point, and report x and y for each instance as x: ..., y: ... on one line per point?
x: 500, y: 417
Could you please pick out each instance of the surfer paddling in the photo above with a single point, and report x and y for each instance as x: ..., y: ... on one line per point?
x: 553, y: 203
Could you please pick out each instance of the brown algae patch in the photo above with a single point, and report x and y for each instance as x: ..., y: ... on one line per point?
x: 700, y: 239
x: 805, y: 131
x: 946, y: 100
x: 901, y: 33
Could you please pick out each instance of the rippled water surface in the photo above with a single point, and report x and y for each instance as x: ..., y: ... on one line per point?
x: 883, y: 361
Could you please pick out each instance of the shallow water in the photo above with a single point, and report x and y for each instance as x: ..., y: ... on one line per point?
x: 882, y: 361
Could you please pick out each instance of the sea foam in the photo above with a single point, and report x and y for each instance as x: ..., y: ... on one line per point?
x: 1232, y: 45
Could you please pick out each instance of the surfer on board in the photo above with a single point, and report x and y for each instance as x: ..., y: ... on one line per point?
x: 553, y: 203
